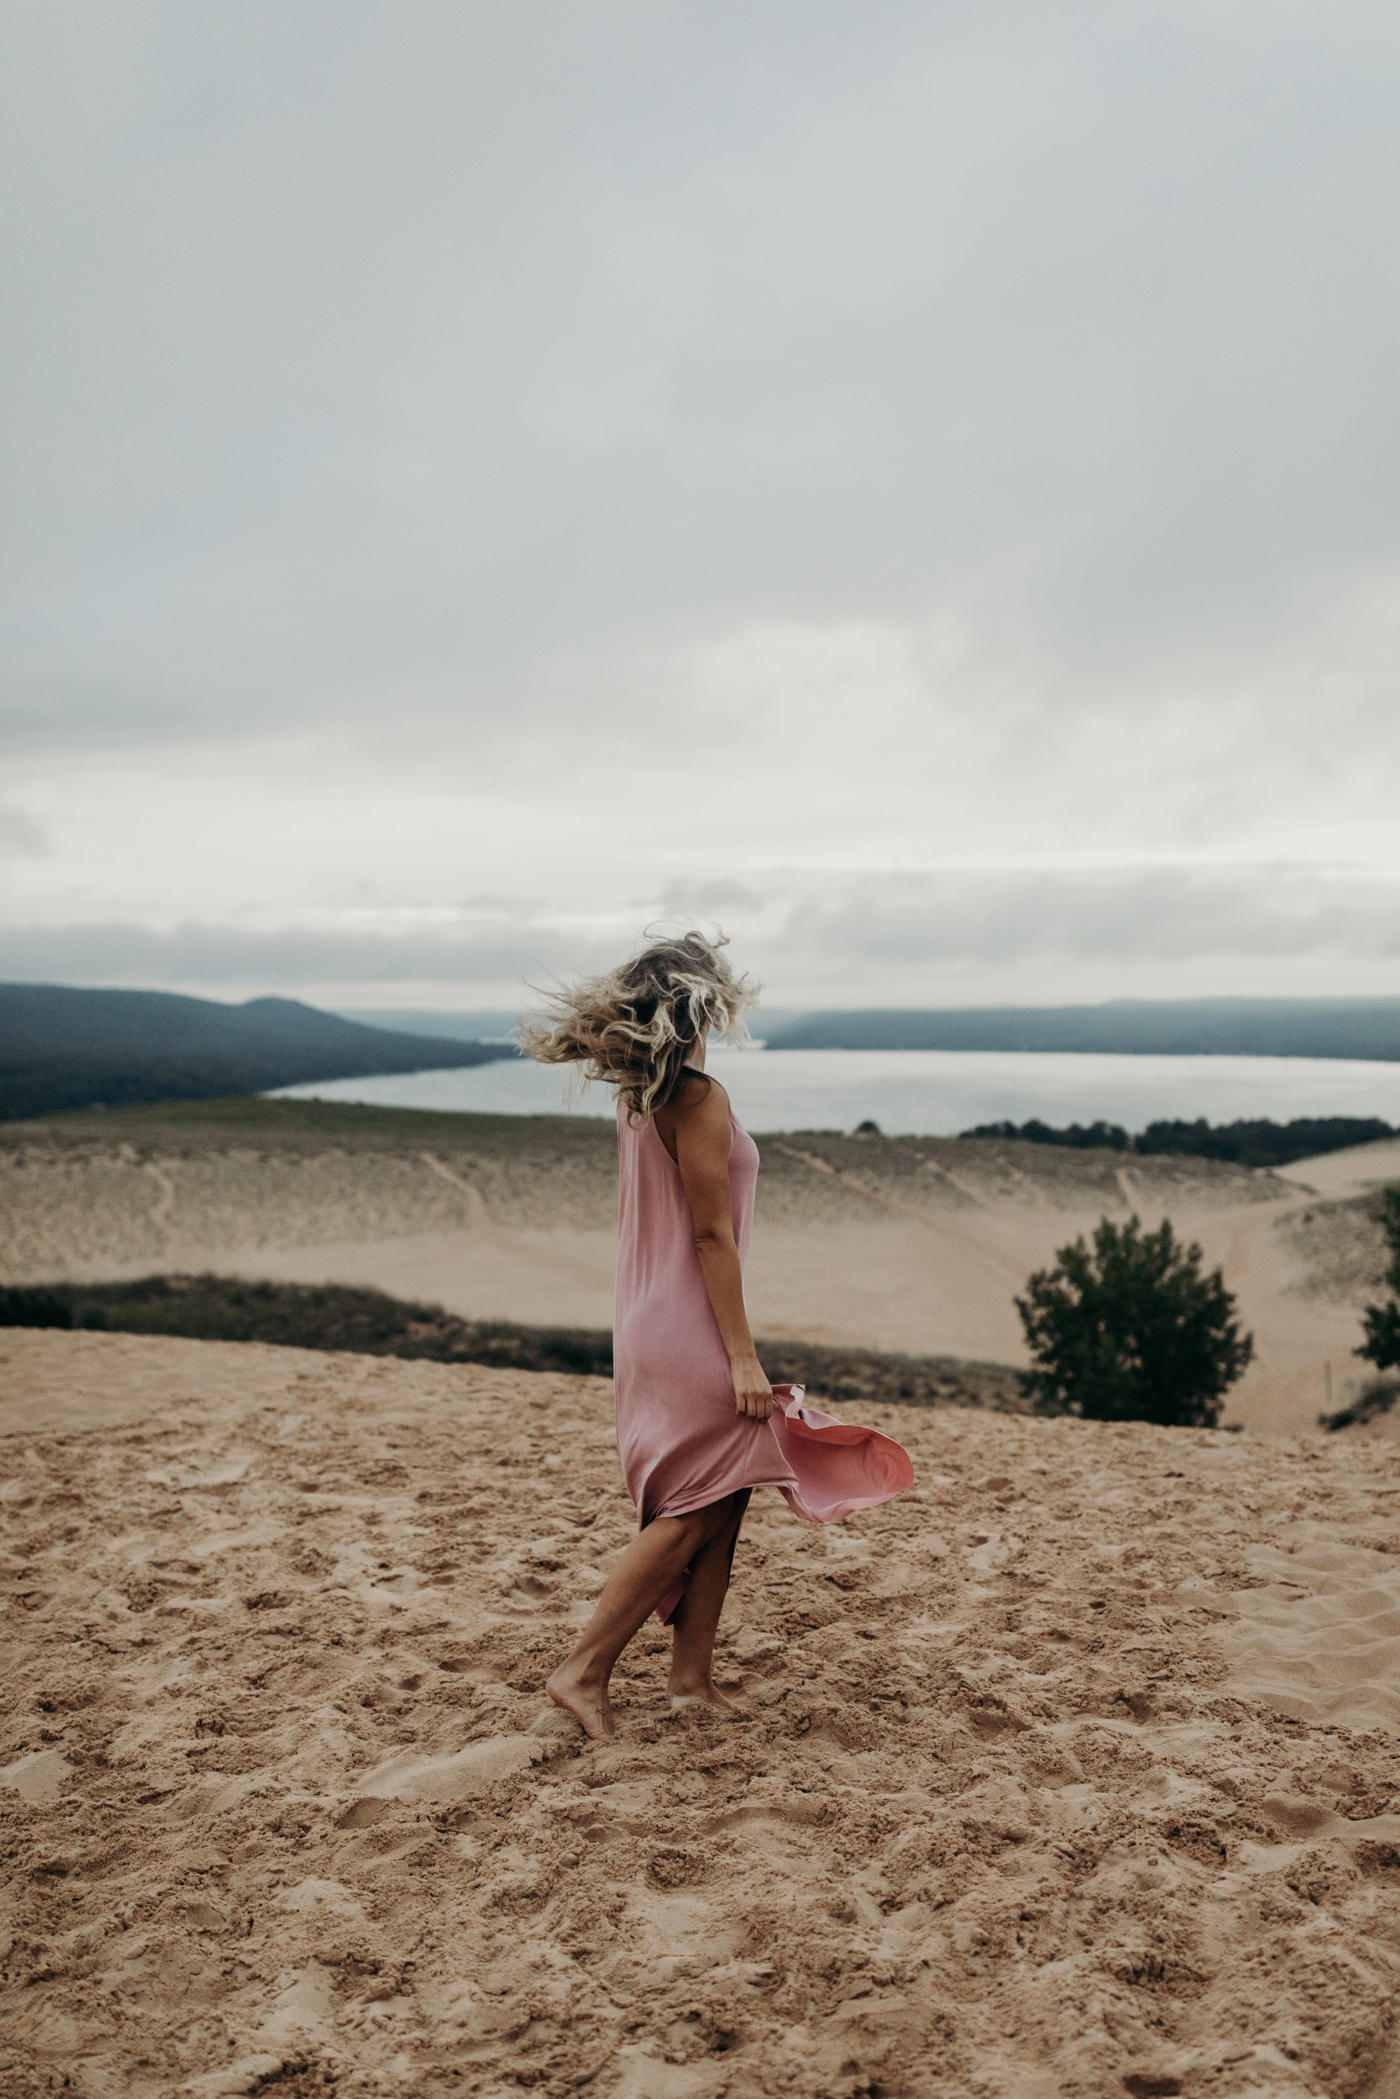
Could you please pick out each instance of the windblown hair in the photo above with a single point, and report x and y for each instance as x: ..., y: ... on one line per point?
x: 635, y: 1027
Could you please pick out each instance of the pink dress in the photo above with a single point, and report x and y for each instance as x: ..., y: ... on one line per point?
x: 681, y: 1443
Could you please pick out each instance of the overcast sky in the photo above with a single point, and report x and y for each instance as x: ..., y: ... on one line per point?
x: 916, y: 484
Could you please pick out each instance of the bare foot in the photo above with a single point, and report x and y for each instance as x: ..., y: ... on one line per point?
x: 703, y: 1694
x: 586, y: 1703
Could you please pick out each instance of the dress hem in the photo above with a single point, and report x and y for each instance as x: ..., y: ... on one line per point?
x: 687, y: 1505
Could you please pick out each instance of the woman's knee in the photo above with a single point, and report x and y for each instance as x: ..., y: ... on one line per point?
x: 686, y: 1534
x: 700, y: 1527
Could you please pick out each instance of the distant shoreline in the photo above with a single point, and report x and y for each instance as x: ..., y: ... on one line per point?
x: 1355, y: 1030
x: 938, y: 1092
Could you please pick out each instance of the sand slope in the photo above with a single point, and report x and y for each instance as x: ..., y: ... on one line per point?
x: 1073, y: 1772
x: 1346, y: 1173
x: 918, y: 1244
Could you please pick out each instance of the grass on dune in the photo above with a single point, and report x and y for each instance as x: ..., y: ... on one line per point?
x: 370, y: 1322
x: 309, y: 1125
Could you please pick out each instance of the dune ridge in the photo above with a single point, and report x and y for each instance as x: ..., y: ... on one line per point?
x: 1022, y: 1807
x: 916, y: 1245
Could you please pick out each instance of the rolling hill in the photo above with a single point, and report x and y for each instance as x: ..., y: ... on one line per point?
x: 62, y: 1048
x: 1366, y: 1028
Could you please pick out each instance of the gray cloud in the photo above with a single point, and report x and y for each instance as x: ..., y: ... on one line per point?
x: 20, y: 836
x: 369, y: 356
x: 734, y: 456
x: 820, y: 936
x: 215, y: 955
x: 696, y: 899
x: 1129, y: 915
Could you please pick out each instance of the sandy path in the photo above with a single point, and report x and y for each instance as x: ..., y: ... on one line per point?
x: 1074, y: 1772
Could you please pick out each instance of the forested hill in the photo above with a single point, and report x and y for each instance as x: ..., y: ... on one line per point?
x: 61, y: 1048
x: 1221, y: 1027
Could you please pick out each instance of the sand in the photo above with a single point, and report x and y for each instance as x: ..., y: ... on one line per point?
x: 1074, y: 1772
x: 917, y: 1245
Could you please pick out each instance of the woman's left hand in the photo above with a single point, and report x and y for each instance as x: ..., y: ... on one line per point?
x: 753, y: 1395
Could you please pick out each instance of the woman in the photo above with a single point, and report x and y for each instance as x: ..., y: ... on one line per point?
x: 696, y: 1425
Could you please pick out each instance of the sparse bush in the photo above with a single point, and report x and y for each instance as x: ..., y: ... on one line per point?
x: 1382, y: 1322
x: 1131, y: 1329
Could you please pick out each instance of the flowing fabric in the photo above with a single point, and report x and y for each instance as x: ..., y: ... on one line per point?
x: 681, y: 1443
x: 840, y: 1465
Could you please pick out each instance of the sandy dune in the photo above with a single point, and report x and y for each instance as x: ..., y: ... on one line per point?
x: 1348, y: 1173
x: 1074, y: 1772
x: 917, y: 1244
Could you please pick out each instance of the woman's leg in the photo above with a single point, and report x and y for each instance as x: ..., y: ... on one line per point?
x: 652, y: 1564
x: 696, y: 1620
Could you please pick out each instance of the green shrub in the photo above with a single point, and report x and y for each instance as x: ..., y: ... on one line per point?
x: 1382, y: 1322
x: 1130, y: 1329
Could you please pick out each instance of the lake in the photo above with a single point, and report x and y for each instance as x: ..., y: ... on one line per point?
x: 930, y: 1092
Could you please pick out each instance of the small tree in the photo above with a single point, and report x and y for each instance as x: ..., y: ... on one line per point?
x: 1382, y: 1343
x: 1132, y: 1330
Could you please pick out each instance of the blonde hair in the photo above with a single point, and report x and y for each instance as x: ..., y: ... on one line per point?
x: 635, y: 1027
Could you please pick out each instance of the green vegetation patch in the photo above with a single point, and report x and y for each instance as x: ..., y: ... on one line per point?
x: 369, y: 1322
x: 1131, y: 1328
x: 1260, y: 1142
x: 869, y: 1376
x: 62, y: 1048
x: 305, y: 1315
x: 248, y: 1121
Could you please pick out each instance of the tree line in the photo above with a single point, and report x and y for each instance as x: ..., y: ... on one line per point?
x: 1258, y: 1142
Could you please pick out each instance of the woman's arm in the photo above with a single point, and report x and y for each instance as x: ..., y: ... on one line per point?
x: 699, y: 1128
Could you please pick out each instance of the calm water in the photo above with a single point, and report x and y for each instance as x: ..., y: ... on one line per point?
x: 932, y: 1092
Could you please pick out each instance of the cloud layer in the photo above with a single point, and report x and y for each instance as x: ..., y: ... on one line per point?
x: 949, y: 938
x: 917, y: 483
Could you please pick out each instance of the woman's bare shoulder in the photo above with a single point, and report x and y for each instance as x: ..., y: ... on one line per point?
x: 699, y: 1103
x: 699, y: 1091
